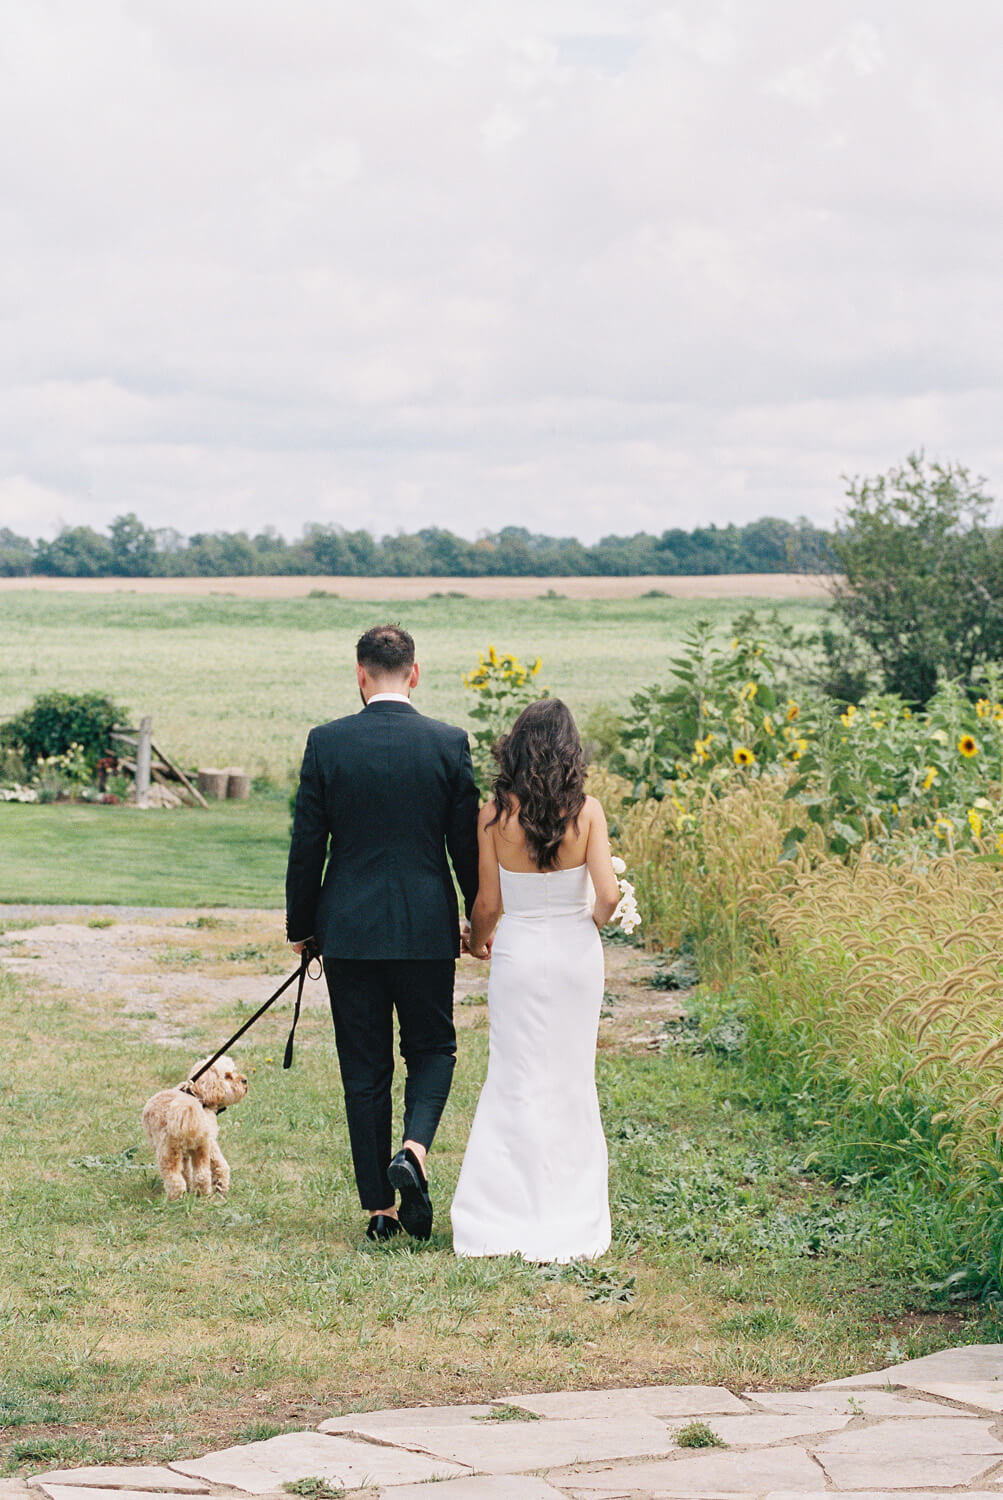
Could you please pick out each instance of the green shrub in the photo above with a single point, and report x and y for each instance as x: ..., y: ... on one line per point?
x: 56, y: 721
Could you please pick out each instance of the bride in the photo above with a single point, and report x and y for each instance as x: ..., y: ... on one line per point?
x: 534, y: 1176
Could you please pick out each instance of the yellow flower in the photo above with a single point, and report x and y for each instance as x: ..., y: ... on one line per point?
x: 848, y: 717
x: 768, y: 725
x: 907, y: 712
x: 930, y: 777
x: 734, y: 644
x: 492, y: 656
x: 792, y: 711
x: 975, y: 823
x: 749, y: 691
x: 998, y: 713
x: 968, y: 746
x: 943, y: 827
x: 983, y: 708
x: 743, y: 756
x: 999, y: 843
x: 799, y: 749
x: 534, y: 669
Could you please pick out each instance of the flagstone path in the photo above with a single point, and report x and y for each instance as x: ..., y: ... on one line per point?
x: 929, y: 1427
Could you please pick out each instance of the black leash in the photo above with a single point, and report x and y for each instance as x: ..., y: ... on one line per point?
x: 299, y: 974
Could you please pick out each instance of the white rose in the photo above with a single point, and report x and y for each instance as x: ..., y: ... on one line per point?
x: 619, y: 865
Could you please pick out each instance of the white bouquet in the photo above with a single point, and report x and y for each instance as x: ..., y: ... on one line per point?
x: 626, y: 915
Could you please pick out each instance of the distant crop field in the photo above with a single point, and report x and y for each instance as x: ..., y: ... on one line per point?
x: 238, y: 681
x: 705, y: 586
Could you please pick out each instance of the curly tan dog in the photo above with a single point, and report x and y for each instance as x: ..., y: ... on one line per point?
x: 181, y: 1126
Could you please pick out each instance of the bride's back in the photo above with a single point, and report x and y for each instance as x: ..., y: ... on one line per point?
x: 513, y: 851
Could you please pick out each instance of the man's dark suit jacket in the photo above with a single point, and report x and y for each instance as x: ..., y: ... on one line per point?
x: 389, y: 791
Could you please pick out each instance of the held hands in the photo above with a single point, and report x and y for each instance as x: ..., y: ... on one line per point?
x: 483, y: 952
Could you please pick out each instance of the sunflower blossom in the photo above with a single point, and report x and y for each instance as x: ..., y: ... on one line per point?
x: 930, y: 777
x: 743, y: 756
x: 975, y: 822
x: 943, y: 828
x: 968, y: 746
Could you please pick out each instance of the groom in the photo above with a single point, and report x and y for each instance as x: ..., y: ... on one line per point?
x: 383, y: 795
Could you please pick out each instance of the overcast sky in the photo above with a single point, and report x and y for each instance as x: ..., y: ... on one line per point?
x: 585, y: 267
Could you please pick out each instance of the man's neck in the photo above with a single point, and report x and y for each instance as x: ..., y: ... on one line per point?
x: 388, y: 695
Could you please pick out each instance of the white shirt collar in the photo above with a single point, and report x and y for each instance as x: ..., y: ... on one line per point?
x: 389, y: 698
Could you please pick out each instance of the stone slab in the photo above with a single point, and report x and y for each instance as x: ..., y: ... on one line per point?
x: 712, y: 1472
x: 128, y: 1477
x: 92, y: 1492
x: 653, y: 1401
x: 881, y: 1495
x: 482, y: 1487
x: 382, y: 1422
x: 832, y: 1403
x: 525, y: 1447
x: 763, y: 1429
x: 985, y: 1395
x: 13, y: 1489
x: 260, y: 1467
x: 908, y: 1455
x: 972, y: 1362
x: 949, y: 1470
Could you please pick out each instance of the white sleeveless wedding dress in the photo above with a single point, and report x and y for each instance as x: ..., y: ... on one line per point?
x: 534, y: 1175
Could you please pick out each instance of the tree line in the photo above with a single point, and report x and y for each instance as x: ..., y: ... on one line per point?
x: 130, y: 549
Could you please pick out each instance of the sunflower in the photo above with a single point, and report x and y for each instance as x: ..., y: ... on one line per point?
x: 768, y: 727
x: 930, y: 777
x: 743, y: 756
x: 943, y: 828
x: 848, y: 717
x: 492, y: 656
x: 749, y: 691
x: 968, y: 746
x: 975, y: 823
x: 793, y: 711
x: 983, y: 708
x: 534, y: 669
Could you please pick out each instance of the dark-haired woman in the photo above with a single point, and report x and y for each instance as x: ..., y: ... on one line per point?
x: 534, y: 1176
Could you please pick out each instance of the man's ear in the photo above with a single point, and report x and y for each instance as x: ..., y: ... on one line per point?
x: 415, y: 674
x: 360, y: 673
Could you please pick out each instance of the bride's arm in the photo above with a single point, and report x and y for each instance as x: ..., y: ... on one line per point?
x: 488, y: 906
x: 600, y: 863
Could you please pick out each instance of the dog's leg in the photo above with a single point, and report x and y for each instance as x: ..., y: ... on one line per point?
x: 202, y: 1169
x: 186, y: 1167
x: 220, y: 1169
x: 169, y: 1162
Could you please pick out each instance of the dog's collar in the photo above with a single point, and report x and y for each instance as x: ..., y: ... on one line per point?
x: 189, y: 1089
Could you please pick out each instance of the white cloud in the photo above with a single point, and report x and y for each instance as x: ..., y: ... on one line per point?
x: 581, y: 267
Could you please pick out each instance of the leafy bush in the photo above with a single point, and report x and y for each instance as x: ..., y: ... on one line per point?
x: 57, y: 722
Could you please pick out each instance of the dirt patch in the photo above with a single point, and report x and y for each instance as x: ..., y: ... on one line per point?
x: 704, y: 586
x: 165, y: 972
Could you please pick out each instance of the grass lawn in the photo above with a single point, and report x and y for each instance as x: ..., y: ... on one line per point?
x: 233, y: 681
x: 234, y: 854
x: 137, y: 1329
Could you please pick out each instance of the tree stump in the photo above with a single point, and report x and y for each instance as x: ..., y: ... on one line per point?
x: 238, y: 784
x: 213, y: 783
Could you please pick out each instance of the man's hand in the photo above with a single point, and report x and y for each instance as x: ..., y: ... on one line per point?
x: 465, y: 938
x: 299, y: 947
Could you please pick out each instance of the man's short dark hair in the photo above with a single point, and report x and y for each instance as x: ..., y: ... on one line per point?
x: 386, y: 650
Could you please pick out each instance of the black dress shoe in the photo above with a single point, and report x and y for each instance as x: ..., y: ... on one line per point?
x: 415, y: 1207
x: 382, y: 1227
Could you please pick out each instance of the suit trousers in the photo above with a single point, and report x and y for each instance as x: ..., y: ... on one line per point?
x: 364, y: 995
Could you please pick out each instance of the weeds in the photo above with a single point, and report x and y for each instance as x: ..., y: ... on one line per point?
x: 698, y: 1435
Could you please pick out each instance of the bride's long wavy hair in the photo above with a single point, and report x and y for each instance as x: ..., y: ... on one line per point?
x: 541, y: 764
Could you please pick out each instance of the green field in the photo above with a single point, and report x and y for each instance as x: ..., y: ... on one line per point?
x: 239, y: 682
x: 234, y: 854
